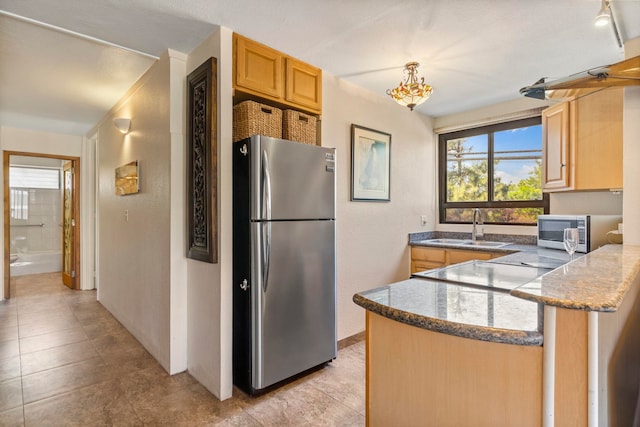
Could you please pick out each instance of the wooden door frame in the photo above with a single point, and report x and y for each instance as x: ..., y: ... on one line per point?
x: 75, y: 212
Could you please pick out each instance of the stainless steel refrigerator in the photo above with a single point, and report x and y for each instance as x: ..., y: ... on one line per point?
x: 284, y: 260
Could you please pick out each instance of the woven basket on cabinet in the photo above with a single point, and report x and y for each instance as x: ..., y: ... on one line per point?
x: 252, y: 118
x: 299, y: 127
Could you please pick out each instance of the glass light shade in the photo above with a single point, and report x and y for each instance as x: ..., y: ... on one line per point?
x: 411, y: 92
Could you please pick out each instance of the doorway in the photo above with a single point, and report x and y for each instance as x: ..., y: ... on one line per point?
x: 41, y: 216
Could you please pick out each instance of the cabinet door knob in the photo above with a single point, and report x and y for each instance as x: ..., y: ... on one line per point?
x: 562, y: 165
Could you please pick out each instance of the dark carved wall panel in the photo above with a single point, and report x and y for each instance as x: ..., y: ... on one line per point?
x: 202, y: 170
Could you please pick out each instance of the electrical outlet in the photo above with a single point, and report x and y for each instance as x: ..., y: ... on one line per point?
x: 423, y: 220
x: 126, y: 215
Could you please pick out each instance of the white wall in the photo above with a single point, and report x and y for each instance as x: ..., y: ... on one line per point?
x: 631, y: 150
x: 210, y: 285
x: 139, y: 271
x: 372, y: 237
x: 31, y: 141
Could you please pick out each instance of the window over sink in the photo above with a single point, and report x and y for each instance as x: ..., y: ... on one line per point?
x: 496, y: 168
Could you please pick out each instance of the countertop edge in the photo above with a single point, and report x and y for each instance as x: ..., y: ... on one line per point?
x: 570, y: 291
x: 496, y: 335
x: 606, y: 307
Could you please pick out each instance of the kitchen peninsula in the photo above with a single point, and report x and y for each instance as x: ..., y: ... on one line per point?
x: 561, y: 349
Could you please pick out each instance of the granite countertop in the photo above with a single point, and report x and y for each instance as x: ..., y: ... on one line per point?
x: 597, y: 281
x: 457, y: 310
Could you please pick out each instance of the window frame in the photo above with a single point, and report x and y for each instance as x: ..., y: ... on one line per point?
x: 489, y: 130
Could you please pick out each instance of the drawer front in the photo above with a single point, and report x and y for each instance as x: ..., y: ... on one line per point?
x: 428, y: 254
x: 456, y: 256
x: 424, y: 265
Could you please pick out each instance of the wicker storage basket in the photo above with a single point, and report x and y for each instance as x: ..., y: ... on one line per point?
x: 299, y: 127
x: 252, y: 118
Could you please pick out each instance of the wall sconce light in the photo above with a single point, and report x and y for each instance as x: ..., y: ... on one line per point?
x: 122, y: 124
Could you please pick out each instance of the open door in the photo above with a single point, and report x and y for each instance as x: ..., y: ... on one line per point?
x: 70, y: 216
x: 69, y: 227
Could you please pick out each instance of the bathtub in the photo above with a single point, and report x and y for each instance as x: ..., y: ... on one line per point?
x: 35, y: 262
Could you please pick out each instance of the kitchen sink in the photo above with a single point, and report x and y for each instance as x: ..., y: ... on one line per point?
x: 485, y: 243
x: 446, y: 241
x: 466, y: 242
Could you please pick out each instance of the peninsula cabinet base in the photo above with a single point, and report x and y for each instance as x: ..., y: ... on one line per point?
x: 417, y: 377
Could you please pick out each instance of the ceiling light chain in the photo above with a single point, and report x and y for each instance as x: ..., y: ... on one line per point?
x: 411, y: 92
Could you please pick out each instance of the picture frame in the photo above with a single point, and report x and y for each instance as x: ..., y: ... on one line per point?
x: 127, y: 179
x: 370, y: 165
x: 202, y: 163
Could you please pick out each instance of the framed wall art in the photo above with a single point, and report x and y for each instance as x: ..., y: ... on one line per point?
x: 202, y: 163
x: 370, y: 165
x: 127, y: 181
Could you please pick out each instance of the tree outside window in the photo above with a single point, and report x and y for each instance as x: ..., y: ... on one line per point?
x: 496, y: 168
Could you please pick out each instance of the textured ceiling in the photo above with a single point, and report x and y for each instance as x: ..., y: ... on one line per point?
x: 473, y: 52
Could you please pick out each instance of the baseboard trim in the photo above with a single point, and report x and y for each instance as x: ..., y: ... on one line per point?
x: 353, y: 339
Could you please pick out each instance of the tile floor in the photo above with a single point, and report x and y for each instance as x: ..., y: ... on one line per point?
x: 64, y: 360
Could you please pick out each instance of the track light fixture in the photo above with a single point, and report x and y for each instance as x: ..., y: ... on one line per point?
x: 604, y: 15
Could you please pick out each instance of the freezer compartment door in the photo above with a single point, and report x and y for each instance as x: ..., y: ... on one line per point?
x: 294, y: 298
x: 291, y: 180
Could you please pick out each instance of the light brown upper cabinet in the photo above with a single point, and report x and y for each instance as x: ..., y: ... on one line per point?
x: 258, y: 69
x: 555, y: 146
x: 268, y: 74
x: 582, y: 143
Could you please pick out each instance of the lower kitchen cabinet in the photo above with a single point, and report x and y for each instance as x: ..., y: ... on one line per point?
x: 427, y: 258
x: 417, y: 377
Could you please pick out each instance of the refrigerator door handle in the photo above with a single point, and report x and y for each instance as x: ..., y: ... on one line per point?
x: 266, y: 214
x: 266, y: 187
x: 266, y: 254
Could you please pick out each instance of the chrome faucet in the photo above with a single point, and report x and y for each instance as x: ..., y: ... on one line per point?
x: 477, y: 233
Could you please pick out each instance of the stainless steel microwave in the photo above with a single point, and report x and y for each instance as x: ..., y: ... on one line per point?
x: 591, y: 228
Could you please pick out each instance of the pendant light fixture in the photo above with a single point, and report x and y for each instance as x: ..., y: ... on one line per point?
x: 411, y: 92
